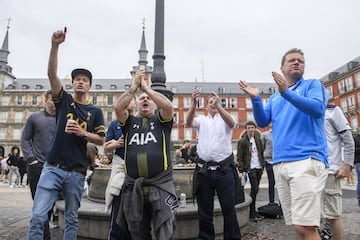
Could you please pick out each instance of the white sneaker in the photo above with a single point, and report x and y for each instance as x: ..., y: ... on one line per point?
x: 52, y: 225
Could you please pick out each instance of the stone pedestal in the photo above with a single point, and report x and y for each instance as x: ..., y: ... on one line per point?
x: 99, y: 182
x: 183, y: 176
x: 94, y: 221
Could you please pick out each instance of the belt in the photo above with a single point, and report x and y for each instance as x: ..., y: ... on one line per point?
x: 34, y: 162
x: 79, y: 169
x: 212, y: 167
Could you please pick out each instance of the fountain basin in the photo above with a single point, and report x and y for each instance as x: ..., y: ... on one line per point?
x: 94, y: 222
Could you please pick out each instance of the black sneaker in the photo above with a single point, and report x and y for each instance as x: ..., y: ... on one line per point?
x: 325, y: 235
x: 259, y: 217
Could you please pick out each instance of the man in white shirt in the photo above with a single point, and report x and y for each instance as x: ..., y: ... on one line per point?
x: 215, y: 169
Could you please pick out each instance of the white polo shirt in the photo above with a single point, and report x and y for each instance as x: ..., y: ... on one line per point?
x: 214, y: 138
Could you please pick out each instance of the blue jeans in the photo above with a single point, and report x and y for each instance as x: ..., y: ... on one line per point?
x: 357, y: 166
x: 224, y: 184
x: 52, y: 181
x: 13, y: 170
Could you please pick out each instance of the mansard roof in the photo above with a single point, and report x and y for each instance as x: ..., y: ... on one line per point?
x: 177, y: 88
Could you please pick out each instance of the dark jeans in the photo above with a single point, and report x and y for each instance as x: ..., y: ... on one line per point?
x: 34, y: 172
x: 116, y: 231
x: 254, y: 177
x: 224, y: 184
x: 271, y: 179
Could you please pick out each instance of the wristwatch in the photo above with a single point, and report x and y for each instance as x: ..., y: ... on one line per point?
x: 86, y: 134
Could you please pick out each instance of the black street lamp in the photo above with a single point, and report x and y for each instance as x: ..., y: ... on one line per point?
x: 158, y: 76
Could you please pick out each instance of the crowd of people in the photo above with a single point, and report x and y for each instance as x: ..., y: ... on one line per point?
x: 307, y: 149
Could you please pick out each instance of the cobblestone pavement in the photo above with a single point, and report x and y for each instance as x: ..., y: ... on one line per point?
x: 16, y: 203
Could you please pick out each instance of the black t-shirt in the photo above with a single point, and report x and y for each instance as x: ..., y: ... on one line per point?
x: 147, y: 145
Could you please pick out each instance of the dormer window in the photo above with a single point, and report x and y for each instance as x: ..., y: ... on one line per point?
x: 24, y: 86
x: 11, y: 86
x: 38, y: 86
x: 113, y: 87
x: 98, y: 86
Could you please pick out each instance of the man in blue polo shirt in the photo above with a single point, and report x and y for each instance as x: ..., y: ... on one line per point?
x: 299, y: 142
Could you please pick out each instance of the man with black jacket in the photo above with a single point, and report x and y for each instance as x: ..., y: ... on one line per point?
x: 250, y: 159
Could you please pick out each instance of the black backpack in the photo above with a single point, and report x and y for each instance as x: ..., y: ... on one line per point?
x: 271, y: 210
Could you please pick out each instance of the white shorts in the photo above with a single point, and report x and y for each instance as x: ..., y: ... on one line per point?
x: 300, y: 185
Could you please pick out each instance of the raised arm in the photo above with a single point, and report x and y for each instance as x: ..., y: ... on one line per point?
x: 162, y: 102
x: 223, y: 113
x: 191, y: 113
x: 57, y: 38
x: 123, y: 101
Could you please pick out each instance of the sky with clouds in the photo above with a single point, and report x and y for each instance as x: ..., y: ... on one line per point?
x: 205, y: 40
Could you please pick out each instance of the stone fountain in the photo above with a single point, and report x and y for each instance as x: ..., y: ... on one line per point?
x: 94, y: 221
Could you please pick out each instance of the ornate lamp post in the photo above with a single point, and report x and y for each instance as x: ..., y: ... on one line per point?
x: 158, y: 77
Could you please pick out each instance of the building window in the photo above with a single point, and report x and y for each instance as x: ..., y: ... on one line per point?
x: 234, y: 116
x: 344, y: 105
x: 233, y: 103
x: 175, y: 102
x: 249, y: 116
x: 348, y: 84
x: 354, y: 123
x: 224, y: 102
x: 174, y: 134
x: 110, y: 100
x: 358, y: 79
x: 94, y: 101
x: 341, y: 86
x: 5, y: 101
x: 351, y: 102
x: 330, y: 91
x: 200, y: 103
x: 176, y: 118
x: 34, y: 100
x: 248, y: 103
x: 3, y: 117
x: 188, y: 133
x: 113, y: 87
x: 19, y: 100
x: 221, y: 90
x: 109, y: 116
x: 38, y: 86
x: 187, y: 102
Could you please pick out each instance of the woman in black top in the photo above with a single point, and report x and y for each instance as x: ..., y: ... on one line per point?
x: 13, y: 162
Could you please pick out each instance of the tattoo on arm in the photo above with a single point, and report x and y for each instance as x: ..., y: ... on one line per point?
x: 128, y: 93
x: 161, y: 95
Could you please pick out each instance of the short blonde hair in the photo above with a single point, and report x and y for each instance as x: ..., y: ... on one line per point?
x: 293, y: 50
